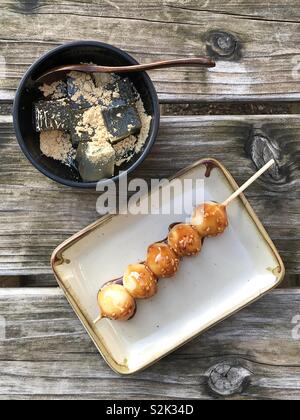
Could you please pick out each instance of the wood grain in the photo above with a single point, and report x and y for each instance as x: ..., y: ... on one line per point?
x: 256, y: 46
x: 37, y: 214
x: 47, y: 354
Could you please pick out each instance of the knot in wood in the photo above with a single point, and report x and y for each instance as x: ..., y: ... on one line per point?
x: 228, y: 378
x: 27, y: 6
x: 261, y: 148
x: 220, y: 44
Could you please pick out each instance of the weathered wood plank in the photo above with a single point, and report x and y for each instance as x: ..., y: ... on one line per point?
x: 256, y: 47
x: 6, y: 107
x: 37, y: 214
x: 46, y: 353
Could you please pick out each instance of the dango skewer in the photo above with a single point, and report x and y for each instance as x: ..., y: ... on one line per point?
x: 117, y: 301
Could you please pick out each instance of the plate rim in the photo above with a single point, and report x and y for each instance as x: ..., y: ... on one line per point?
x: 57, y: 259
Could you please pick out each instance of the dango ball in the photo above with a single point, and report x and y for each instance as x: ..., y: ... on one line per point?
x: 116, y: 302
x: 210, y: 219
x: 184, y: 240
x: 162, y: 260
x: 139, y: 281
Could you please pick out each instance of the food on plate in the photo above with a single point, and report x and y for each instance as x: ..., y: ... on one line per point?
x: 162, y: 260
x: 184, y: 240
x: 210, y: 219
x: 115, y: 302
x: 139, y: 281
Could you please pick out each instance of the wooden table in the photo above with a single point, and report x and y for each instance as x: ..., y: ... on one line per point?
x: 44, y: 351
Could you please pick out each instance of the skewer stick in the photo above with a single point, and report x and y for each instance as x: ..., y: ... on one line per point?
x: 98, y: 319
x: 249, y: 182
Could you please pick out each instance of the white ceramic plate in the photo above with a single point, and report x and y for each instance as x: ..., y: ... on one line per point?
x: 232, y: 271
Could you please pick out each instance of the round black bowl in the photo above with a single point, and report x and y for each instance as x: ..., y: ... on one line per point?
x: 28, y: 93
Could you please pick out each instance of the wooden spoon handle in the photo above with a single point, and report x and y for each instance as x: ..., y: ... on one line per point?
x: 54, y: 73
x: 189, y: 62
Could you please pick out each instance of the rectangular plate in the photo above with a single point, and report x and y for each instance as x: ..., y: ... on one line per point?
x: 233, y: 270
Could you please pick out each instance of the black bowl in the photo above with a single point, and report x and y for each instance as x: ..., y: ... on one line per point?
x: 28, y: 93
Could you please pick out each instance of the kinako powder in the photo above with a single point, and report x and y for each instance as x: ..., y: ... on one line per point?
x: 57, y: 145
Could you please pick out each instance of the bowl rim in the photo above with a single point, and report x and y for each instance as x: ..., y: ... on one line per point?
x: 82, y: 184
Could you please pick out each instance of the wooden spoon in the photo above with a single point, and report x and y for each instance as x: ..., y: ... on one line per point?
x: 57, y: 72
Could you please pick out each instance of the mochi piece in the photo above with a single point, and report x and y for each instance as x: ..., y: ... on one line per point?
x: 81, y: 90
x: 122, y: 120
x: 52, y: 115
x: 95, y: 160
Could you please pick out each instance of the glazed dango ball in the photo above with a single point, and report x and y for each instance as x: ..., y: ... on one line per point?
x: 210, y: 219
x: 162, y: 260
x: 116, y: 302
x: 184, y: 240
x: 139, y: 281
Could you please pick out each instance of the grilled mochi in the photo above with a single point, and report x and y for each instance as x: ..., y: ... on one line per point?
x: 122, y: 120
x: 81, y: 90
x: 125, y: 149
x: 78, y: 131
x: 95, y: 160
x: 51, y: 115
x: 126, y: 90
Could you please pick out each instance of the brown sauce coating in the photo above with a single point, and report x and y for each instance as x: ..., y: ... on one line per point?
x: 162, y: 260
x: 139, y: 281
x: 210, y: 219
x: 184, y: 240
